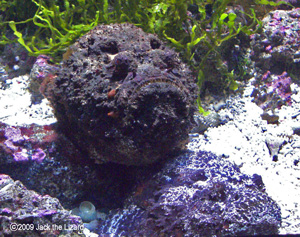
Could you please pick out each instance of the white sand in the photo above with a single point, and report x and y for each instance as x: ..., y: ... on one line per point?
x: 16, y: 108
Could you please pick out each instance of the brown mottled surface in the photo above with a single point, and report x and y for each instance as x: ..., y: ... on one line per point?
x: 123, y: 96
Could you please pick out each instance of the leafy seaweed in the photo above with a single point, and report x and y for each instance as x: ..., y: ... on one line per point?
x: 57, y: 26
x: 271, y: 3
x: 50, y: 26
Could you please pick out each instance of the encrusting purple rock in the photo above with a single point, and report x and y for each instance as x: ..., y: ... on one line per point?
x: 26, y: 213
x: 276, y: 48
x: 196, y: 194
x: 122, y: 96
x: 276, y: 56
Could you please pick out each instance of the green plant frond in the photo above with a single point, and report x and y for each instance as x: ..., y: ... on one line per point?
x: 56, y: 24
x: 19, y: 35
x: 200, y: 108
x: 271, y: 3
x: 233, y: 85
x: 176, y: 43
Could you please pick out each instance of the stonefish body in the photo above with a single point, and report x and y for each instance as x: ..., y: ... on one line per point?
x: 122, y: 96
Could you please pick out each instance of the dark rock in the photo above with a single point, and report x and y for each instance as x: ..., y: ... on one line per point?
x: 42, y: 72
x: 192, y: 194
x: 276, y: 48
x: 270, y: 118
x: 123, y: 96
x: 49, y: 163
x: 196, y: 195
x: 27, y: 213
x: 272, y: 91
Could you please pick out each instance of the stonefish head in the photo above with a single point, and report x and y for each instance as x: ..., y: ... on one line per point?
x: 122, y: 96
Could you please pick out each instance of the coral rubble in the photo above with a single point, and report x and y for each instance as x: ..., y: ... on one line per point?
x: 123, y: 96
x: 276, y: 48
x: 275, y: 52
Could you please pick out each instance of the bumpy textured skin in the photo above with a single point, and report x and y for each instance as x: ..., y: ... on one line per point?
x: 123, y: 96
x: 196, y: 194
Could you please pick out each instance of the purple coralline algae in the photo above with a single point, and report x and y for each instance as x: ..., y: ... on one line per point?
x: 273, y: 91
x: 282, y: 85
x: 38, y: 155
x: 21, y: 144
x: 26, y: 213
x: 54, y: 166
x: 196, y: 194
x: 14, y: 135
x: 276, y: 48
x: 276, y: 55
x: 122, y: 96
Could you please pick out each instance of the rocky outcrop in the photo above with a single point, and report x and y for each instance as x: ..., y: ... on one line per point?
x: 196, y: 195
x: 26, y: 213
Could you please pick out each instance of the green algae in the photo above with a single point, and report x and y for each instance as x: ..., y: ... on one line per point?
x: 50, y: 26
